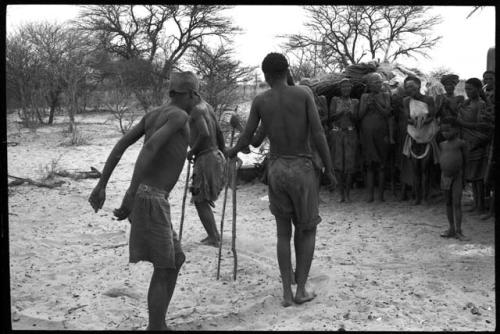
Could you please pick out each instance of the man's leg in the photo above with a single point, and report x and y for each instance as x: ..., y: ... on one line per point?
x: 417, y: 181
x: 348, y: 184
x: 381, y: 182
x: 449, y: 214
x: 284, y: 232
x: 207, y: 219
x: 342, y: 185
x: 161, y: 290
x: 370, y: 182
x: 304, y: 250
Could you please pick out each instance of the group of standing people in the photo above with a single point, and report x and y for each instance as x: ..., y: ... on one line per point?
x: 299, y: 154
x: 398, y: 131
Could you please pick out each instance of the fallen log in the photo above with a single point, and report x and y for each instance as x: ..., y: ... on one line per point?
x: 93, y: 174
x: 20, y: 180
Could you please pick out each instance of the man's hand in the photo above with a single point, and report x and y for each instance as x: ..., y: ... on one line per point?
x: 333, y: 180
x: 190, y: 155
x: 411, y: 121
x: 97, y: 197
x: 126, y: 208
x: 427, y: 120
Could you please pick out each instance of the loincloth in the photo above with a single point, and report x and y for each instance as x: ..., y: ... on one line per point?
x: 152, y: 237
x: 209, y: 176
x: 294, y: 190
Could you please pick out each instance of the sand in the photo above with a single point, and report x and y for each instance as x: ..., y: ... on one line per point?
x: 378, y: 266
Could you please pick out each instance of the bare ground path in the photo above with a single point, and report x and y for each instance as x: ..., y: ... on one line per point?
x: 376, y: 266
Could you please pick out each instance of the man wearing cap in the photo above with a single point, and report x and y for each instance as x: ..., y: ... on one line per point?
x: 207, y: 149
x: 145, y: 203
x: 290, y: 121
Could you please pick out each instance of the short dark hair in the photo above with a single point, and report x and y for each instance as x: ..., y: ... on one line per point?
x: 488, y: 72
x: 275, y: 64
x: 451, y: 121
x: 413, y: 78
x: 475, y: 82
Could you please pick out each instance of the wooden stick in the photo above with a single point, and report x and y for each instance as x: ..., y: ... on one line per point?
x: 233, y: 240
x: 184, y: 199
x: 224, y: 210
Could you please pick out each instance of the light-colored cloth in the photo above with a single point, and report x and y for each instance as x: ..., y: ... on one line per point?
x: 152, y: 237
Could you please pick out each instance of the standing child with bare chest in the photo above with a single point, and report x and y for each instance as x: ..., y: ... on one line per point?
x: 452, y: 160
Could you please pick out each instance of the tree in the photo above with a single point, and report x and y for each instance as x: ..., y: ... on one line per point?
x: 220, y: 74
x: 156, y: 35
x: 349, y: 34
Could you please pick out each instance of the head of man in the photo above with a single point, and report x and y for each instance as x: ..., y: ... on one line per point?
x: 345, y: 87
x: 374, y: 81
x: 183, y: 90
x: 489, y: 79
x: 473, y: 87
x: 450, y: 127
x: 449, y: 82
x: 275, y: 68
x: 412, y: 86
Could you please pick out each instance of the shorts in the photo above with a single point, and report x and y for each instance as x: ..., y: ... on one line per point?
x: 209, y: 176
x: 294, y: 190
x: 152, y: 237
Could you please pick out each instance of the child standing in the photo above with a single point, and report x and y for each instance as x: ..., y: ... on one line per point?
x: 452, y: 160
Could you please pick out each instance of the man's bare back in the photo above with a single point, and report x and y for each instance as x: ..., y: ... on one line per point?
x: 284, y: 118
x: 204, y: 127
x: 169, y: 160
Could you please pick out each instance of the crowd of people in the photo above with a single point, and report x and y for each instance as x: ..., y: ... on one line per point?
x: 419, y: 133
x: 390, y: 135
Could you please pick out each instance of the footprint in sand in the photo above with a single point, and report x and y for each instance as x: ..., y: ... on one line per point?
x: 319, y: 283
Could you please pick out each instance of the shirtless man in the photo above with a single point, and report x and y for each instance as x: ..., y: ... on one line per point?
x: 452, y: 160
x: 156, y: 171
x: 289, y: 119
x: 207, y: 147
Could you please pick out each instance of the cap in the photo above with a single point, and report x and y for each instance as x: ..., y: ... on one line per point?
x: 183, y: 82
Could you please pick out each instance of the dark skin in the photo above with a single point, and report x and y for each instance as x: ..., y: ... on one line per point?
x: 477, y: 104
x: 205, y: 134
x: 421, y: 167
x: 448, y: 103
x: 452, y: 160
x: 159, y: 164
x: 289, y: 118
x: 382, y: 102
x: 345, y: 178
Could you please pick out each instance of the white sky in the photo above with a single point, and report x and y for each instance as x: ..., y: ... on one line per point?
x: 462, y: 49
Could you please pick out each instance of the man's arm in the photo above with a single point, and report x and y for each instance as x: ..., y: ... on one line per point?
x: 319, y: 138
x: 431, y: 108
x: 98, y: 195
x: 362, y: 105
x: 201, y: 129
x: 259, y: 136
x: 220, y: 137
x: 175, y: 122
x: 250, y: 127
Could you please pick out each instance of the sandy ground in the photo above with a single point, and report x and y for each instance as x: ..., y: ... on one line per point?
x: 376, y: 266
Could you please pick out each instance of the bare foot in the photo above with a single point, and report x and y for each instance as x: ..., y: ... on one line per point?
x: 306, y: 296
x: 471, y: 209
x: 448, y: 234
x: 286, y: 302
x: 211, y: 242
x: 162, y: 328
x: 486, y: 216
x: 461, y: 237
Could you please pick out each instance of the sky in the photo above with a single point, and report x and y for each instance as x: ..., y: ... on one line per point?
x: 462, y: 49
